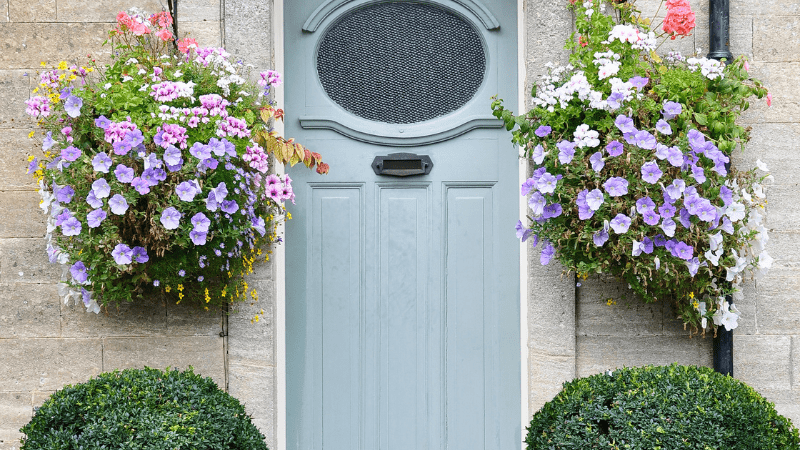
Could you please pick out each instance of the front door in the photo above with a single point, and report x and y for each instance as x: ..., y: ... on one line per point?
x: 402, y: 271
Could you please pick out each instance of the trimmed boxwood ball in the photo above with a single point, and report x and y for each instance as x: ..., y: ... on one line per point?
x: 146, y: 409
x: 668, y: 408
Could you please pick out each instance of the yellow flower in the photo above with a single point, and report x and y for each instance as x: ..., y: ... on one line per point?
x: 36, y: 90
x: 180, y: 287
x: 62, y: 65
x: 30, y: 136
x: 610, y: 302
x: 208, y: 297
x: 695, y: 304
x: 691, y: 294
x: 168, y: 288
x: 43, y: 64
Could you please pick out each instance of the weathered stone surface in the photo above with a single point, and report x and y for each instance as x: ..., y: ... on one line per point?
x: 199, y: 11
x: 29, y: 310
x: 185, y: 320
x: 630, y: 316
x: 763, y: 8
x: 14, y: 88
x: 781, y: 80
x: 598, y: 354
x: 546, y: 375
x: 787, y: 402
x: 782, y: 211
x: 254, y: 386
x: 762, y: 361
x: 24, y: 260
x: 267, y: 428
x: 779, y: 301
x: 776, y: 38
x: 253, y: 342
x: 9, y: 440
x: 551, y: 308
x: 741, y: 33
x: 776, y: 145
x: 25, y: 45
x: 139, y: 318
x: 15, y: 147
x: 31, y: 10
x: 48, y: 364
x: 207, y: 34
x: 15, y: 410
x: 547, y: 27
x: 248, y: 32
x: 204, y: 353
x: 22, y: 216
x: 105, y: 11
x: 748, y: 310
x: 784, y: 247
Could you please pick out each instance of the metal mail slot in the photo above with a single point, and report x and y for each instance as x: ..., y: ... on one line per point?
x: 402, y: 164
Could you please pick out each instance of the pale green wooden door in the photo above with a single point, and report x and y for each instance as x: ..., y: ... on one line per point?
x: 402, y: 304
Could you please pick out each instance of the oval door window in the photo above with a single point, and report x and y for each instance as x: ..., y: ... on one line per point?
x: 401, y: 62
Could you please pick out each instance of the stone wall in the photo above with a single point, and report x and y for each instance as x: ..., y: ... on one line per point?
x: 587, y: 336
x: 46, y: 344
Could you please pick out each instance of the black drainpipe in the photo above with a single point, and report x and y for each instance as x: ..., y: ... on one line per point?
x: 719, y: 48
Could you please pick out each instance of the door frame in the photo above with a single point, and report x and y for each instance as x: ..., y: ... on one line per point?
x: 279, y: 254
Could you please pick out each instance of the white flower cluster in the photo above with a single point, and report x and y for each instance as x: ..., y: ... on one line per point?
x: 710, y: 68
x: 608, y: 63
x: 585, y: 137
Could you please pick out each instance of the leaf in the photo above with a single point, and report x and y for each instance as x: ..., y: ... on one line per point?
x: 701, y: 118
x: 249, y: 117
x: 267, y: 114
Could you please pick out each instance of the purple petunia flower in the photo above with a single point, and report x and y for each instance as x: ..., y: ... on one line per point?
x: 620, y: 223
x: 216, y: 146
x: 726, y: 195
x: 661, y: 151
x: 616, y: 186
x: 172, y: 155
x: 543, y: 130
x: 140, y: 255
x: 595, y: 199
x: 675, y: 156
x: 671, y: 109
x: 186, y: 191
x: 685, y: 218
x: 547, y: 183
x: 638, y: 82
x: 48, y: 141
x: 650, y: 172
x: 566, y: 151
x: 698, y: 174
x: 259, y: 225
x: 73, y: 106
x: 625, y: 124
x: 70, y: 153
x: 123, y: 173
x: 683, y: 251
x: 526, y: 186
x: 645, y: 140
x: 522, y: 232
x: 198, y: 237
x: 101, y: 189
x: 547, y: 253
x: 181, y: 273
x: 93, y: 201
x: 696, y: 140
x: 666, y: 210
x: 597, y: 162
x: 668, y: 225
x: 536, y: 203
x: 614, y: 148
x: 229, y: 206
x: 614, y: 100
x: 663, y: 127
x: 149, y: 176
x: 552, y: 211
x: 71, y: 227
x: 101, y: 162
x: 600, y: 237
x: 118, y: 204
x: 200, y: 222
x: 645, y: 204
x: 102, y: 122
x: 651, y: 218
x: 141, y: 186
x: 95, y: 218
x: 200, y: 151
x: 78, y: 271
x: 65, y: 194
x: 170, y: 218
x: 538, y: 154
x: 122, y: 254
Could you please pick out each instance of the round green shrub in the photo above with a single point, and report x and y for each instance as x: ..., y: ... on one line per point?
x: 142, y: 409
x: 668, y: 408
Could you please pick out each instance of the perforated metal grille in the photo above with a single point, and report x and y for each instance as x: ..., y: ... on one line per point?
x: 401, y: 62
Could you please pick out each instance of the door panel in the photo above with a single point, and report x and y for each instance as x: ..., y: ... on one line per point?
x: 402, y: 302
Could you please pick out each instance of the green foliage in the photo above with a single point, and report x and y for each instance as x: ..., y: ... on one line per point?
x: 660, y: 408
x: 142, y: 409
